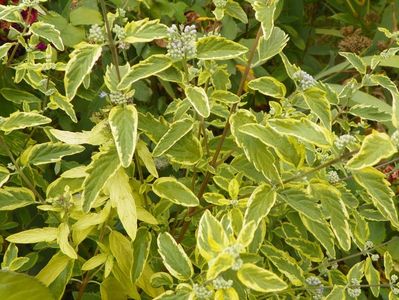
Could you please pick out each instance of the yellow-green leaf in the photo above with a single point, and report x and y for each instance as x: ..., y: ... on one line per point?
x: 63, y: 242
x: 103, y: 166
x: 47, y: 153
x: 174, y: 191
x: 259, y: 279
x: 260, y: 203
x: 303, y: 129
x: 79, y: 66
x: 15, y: 197
x: 32, y: 236
x: 174, y: 258
x: 21, y: 120
x: 177, y: 131
x: 268, y: 86
x: 375, y: 147
x: 121, y: 196
x: 218, y: 48
x: 123, y: 121
x: 381, y: 194
x: 199, y: 100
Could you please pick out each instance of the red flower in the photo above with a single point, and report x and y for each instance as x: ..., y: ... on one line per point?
x: 31, y: 17
x: 391, y: 174
x: 41, y: 46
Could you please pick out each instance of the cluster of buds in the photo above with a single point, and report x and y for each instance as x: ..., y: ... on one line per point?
x: 96, y: 34
x: 234, y: 251
x: 394, y: 284
x: 304, y: 80
x: 220, y: 283
x: 395, y: 138
x: 182, y: 41
x: 317, y: 293
x: 30, y: 2
x: 344, y: 140
x: 220, y: 3
x: 120, y: 34
x: 118, y: 98
x: 201, y: 292
x: 355, y: 290
x: 333, y: 177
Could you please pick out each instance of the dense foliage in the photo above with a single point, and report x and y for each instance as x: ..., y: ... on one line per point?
x: 154, y: 149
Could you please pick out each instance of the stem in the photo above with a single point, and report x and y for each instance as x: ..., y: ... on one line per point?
x: 318, y: 168
x: 14, y: 51
x: 226, y: 129
x: 20, y: 173
x: 332, y: 262
x: 89, y: 275
x: 112, y: 46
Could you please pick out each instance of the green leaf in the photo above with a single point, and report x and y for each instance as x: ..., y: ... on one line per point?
x: 286, y: 148
x: 48, y: 32
x: 247, y: 233
x: 260, y: 203
x: 141, y: 250
x: 259, y: 279
x: 337, y: 293
x: 17, y: 286
x: 302, y: 203
x: 211, y: 236
x: 375, y: 147
x: 219, y: 264
x: 121, y: 249
x: 121, y: 196
x: 264, y: 13
x: 332, y: 203
x: 144, y: 30
x: 318, y: 104
x: 32, y: 236
x: 174, y: 258
x: 284, y: 263
x: 57, y: 264
x: 177, y: 131
x: 19, y: 96
x: 4, y: 176
x: 12, y: 198
x: 322, y: 233
x: 94, y: 262
x: 62, y: 102
x: 47, y: 153
x: 308, y: 249
x: 79, y: 66
x: 270, y: 47
x: 21, y: 120
x: 268, y: 86
x: 304, y: 130
x: 373, y: 277
x: 263, y: 160
x: 103, y: 166
x: 98, y: 135
x: 356, y: 61
x: 388, y: 264
x: 4, y: 49
x: 174, y: 191
x: 218, y: 48
x: 145, y: 68
x: 370, y: 112
x: 62, y: 241
x: 199, y: 100
x: 381, y: 194
x: 233, y: 9
x: 225, y: 97
x: 123, y: 121
x: 84, y: 15
x: 146, y: 157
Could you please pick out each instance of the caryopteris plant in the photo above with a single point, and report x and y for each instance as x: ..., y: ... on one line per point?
x: 133, y: 163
